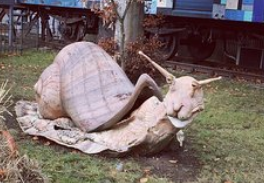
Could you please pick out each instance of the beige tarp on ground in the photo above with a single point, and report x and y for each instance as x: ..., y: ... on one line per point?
x: 145, y: 130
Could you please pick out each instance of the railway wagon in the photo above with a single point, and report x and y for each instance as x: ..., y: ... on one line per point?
x: 239, y: 24
x: 68, y: 19
x: 75, y: 17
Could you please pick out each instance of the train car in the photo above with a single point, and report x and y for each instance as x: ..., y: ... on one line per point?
x: 75, y: 17
x: 70, y: 20
x: 239, y: 22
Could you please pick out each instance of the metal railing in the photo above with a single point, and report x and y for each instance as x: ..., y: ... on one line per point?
x: 21, y: 30
x: 13, y: 26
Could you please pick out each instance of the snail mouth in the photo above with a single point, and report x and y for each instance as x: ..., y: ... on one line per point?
x: 182, y: 123
x: 178, y: 122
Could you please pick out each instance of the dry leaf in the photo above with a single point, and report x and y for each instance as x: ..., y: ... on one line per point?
x: 173, y: 161
x: 75, y: 151
x: 143, y: 180
x: 47, y: 143
x: 10, y: 142
x: 147, y: 170
x: 35, y: 138
x: 258, y: 81
x: 2, y: 172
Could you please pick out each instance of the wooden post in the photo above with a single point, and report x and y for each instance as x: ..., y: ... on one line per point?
x: 11, y: 31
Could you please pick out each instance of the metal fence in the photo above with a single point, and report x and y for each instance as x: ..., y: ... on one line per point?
x: 13, y: 29
x: 20, y: 30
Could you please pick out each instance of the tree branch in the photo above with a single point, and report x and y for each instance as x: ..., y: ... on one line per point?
x: 116, y: 11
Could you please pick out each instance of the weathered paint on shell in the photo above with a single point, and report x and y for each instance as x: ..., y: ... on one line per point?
x: 93, y: 88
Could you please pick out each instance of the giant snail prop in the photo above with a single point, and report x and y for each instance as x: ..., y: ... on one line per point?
x: 85, y: 85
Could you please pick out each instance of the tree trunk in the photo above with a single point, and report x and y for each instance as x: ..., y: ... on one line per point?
x: 133, y: 22
x: 129, y: 27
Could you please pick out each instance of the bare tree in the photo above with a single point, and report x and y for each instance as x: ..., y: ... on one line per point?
x: 128, y: 15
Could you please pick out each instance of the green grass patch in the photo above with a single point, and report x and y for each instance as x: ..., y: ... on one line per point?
x: 71, y: 166
x: 23, y: 71
x: 229, y: 135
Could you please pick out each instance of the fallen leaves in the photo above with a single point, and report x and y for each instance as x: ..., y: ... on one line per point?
x: 10, y: 142
x: 2, y: 173
x: 143, y: 180
x: 47, y: 143
x: 173, y: 161
x: 147, y: 171
x: 35, y: 138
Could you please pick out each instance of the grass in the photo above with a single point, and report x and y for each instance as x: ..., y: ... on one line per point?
x: 63, y: 166
x: 23, y: 71
x: 228, y: 137
x: 76, y: 167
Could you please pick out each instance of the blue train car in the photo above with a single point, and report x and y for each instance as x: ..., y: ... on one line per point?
x: 236, y: 10
x: 206, y: 21
x: 191, y: 8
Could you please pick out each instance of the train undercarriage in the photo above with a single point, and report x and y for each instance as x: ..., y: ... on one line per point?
x: 203, y: 37
x: 47, y: 23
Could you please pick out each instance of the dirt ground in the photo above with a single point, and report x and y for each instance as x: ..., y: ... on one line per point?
x: 175, y: 163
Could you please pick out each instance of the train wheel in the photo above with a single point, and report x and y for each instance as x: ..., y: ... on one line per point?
x: 199, y: 48
x: 80, y: 32
x: 169, y: 46
x: 72, y: 32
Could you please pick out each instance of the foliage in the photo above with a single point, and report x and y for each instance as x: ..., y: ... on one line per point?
x: 109, y: 45
x: 107, y: 14
x: 14, y: 168
x: 112, y: 12
x: 151, y: 21
x: 137, y: 65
